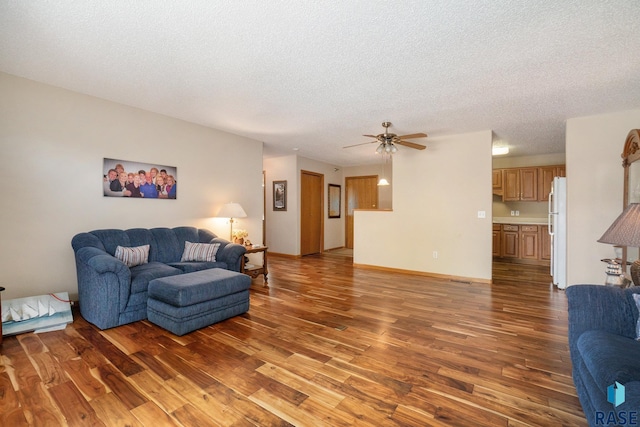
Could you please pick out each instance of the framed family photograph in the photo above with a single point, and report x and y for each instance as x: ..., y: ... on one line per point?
x: 279, y: 195
x: 334, y: 201
x: 123, y: 178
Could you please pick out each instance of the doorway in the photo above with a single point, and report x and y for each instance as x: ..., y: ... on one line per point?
x: 311, y: 208
x: 361, y: 192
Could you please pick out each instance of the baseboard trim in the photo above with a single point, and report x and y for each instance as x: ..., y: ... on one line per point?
x: 284, y: 255
x: 459, y: 279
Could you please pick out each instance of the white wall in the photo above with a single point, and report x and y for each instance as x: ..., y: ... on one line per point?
x: 553, y: 159
x: 53, y: 143
x: 283, y: 228
x: 594, y: 189
x: 436, y: 198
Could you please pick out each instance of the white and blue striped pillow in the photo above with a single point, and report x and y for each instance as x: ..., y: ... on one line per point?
x: 133, y: 256
x: 200, y: 252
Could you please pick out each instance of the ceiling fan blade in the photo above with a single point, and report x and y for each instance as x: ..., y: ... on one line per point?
x: 371, y: 136
x: 410, y: 144
x: 413, y: 135
x: 362, y: 143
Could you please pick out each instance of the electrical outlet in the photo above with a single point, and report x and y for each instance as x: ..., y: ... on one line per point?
x: 482, y: 214
x: 435, y: 254
x: 517, y: 213
x: 513, y: 213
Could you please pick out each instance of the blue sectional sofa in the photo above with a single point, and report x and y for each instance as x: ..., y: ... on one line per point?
x: 111, y: 293
x: 604, y: 350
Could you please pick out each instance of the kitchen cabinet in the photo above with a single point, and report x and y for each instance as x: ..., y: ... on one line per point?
x: 509, y: 240
x: 545, y: 243
x: 545, y: 177
x: 497, y: 182
x: 520, y: 184
x: 529, y: 242
x: 527, y: 184
x: 497, y: 236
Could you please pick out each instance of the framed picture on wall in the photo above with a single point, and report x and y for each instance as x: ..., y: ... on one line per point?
x: 123, y: 178
x: 279, y: 195
x: 334, y: 201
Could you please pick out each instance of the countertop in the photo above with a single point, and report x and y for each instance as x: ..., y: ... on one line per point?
x: 519, y: 220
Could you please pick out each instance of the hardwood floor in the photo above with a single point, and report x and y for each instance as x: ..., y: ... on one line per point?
x: 326, y: 344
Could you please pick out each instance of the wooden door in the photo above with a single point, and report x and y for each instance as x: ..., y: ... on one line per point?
x: 361, y: 192
x: 311, y: 208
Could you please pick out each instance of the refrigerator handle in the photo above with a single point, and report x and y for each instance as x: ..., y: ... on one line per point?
x: 549, y: 222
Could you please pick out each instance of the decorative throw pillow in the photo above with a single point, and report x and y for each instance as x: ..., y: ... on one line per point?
x: 636, y: 298
x: 133, y: 256
x: 200, y: 252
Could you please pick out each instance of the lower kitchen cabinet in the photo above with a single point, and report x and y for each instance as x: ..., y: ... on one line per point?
x: 510, y: 239
x: 529, y: 242
x: 522, y: 242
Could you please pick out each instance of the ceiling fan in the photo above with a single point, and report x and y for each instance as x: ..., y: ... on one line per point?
x: 388, y: 140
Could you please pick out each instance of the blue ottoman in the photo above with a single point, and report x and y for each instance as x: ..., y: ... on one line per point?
x: 186, y: 302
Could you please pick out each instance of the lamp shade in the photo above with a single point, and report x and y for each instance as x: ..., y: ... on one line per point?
x: 625, y: 230
x: 231, y: 210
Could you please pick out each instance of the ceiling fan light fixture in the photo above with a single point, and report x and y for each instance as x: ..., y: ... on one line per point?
x: 380, y: 149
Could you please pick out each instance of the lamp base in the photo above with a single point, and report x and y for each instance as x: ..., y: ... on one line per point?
x: 635, y: 272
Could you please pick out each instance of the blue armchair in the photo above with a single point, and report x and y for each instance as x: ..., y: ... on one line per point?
x: 604, y: 350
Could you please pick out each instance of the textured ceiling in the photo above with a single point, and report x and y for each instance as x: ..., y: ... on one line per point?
x: 316, y: 75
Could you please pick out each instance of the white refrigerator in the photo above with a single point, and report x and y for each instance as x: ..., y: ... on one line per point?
x: 557, y: 220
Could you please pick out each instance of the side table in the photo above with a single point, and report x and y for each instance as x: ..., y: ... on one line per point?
x: 256, y: 270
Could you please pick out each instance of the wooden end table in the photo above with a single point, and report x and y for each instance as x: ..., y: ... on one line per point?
x: 256, y: 270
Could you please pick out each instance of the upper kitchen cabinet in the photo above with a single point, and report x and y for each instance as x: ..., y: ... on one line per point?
x: 525, y: 184
x: 545, y: 177
x: 497, y: 182
x: 520, y: 184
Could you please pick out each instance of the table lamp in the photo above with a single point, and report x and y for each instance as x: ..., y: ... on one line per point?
x: 231, y: 210
x: 625, y: 231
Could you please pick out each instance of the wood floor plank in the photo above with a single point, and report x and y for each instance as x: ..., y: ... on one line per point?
x: 38, y: 405
x: 150, y: 415
x: 189, y: 415
x: 118, y: 358
x: 326, y: 343
x: 73, y: 406
x: 49, y: 369
x: 109, y: 408
x: 10, y: 410
x: 82, y: 377
x: 121, y: 387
